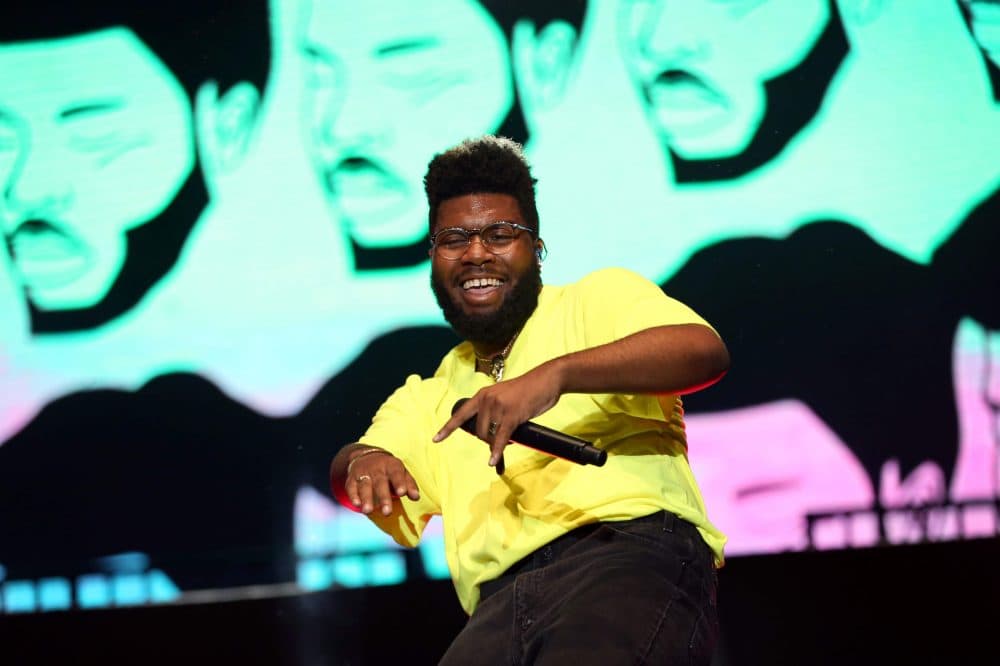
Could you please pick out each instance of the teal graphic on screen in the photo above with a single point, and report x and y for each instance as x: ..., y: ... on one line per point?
x: 722, y: 94
x: 370, y: 81
x: 88, y: 161
x: 215, y: 262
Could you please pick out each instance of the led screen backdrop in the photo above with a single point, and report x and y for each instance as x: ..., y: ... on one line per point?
x: 216, y: 265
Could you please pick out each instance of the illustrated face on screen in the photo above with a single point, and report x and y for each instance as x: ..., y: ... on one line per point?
x: 95, y: 139
x: 703, y: 68
x: 389, y: 84
x: 984, y: 23
x: 985, y: 18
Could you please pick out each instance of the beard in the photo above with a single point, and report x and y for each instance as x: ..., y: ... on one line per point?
x: 497, y: 328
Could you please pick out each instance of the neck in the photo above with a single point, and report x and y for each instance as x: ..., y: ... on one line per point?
x: 491, y: 360
x: 487, y: 352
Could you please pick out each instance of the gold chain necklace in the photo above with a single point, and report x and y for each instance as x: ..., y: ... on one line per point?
x: 496, y: 363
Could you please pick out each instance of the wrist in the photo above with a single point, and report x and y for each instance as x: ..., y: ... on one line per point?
x: 559, y: 371
x: 360, y: 453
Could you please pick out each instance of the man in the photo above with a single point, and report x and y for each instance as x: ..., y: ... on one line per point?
x: 112, y: 118
x: 376, y: 71
x: 723, y: 94
x: 601, y: 565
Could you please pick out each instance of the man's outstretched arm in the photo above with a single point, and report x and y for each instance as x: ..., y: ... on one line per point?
x: 672, y: 359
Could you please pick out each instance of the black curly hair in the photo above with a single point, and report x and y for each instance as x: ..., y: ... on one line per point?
x: 486, y: 164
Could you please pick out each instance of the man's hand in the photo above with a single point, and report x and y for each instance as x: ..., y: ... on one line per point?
x: 501, y: 408
x: 673, y: 359
x: 370, y: 477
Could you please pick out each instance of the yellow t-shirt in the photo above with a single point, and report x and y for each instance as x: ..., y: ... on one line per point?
x: 492, y: 521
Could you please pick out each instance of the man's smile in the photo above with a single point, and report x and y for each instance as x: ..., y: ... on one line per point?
x: 480, y: 283
x: 482, y: 291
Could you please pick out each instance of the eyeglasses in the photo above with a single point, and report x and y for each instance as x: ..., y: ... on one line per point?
x: 497, y: 238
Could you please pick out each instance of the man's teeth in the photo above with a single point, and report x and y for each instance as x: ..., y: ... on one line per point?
x: 481, y: 282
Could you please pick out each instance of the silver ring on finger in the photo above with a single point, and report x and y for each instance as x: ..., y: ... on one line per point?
x: 493, y: 428
x: 363, y: 477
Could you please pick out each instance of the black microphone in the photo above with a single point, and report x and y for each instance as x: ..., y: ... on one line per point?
x: 547, y: 440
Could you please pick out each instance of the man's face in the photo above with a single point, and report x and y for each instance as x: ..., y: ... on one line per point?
x: 95, y: 138
x: 701, y: 65
x: 389, y: 82
x: 486, y: 297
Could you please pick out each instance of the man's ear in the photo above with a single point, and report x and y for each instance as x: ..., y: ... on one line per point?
x: 543, y: 63
x: 541, y: 251
x: 224, y: 127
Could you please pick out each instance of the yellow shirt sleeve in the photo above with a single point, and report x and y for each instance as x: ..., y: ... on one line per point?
x: 403, y: 426
x: 616, y: 302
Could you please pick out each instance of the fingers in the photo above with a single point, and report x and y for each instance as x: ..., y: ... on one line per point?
x: 461, y: 415
x: 359, y: 489
x: 375, y: 485
x: 490, y: 423
x: 371, y: 491
x: 500, y: 440
x: 383, y: 496
x: 403, y: 484
x: 495, y: 425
